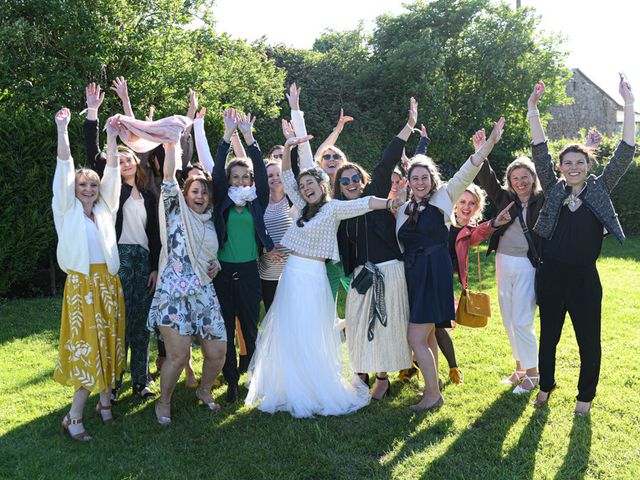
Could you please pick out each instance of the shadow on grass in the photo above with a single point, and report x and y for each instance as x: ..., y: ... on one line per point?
x: 576, y: 460
x: 29, y: 317
x: 477, y: 452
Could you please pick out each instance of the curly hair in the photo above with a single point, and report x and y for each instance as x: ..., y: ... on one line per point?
x: 365, y: 178
x: 428, y: 163
x: 310, y: 210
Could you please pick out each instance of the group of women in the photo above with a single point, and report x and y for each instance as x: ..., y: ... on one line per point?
x: 288, y: 230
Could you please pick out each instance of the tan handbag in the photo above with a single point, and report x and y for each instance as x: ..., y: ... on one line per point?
x: 474, y: 308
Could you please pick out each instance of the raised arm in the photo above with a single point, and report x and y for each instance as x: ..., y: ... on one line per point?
x: 424, y: 142
x: 245, y: 126
x: 90, y: 128
x: 381, y: 175
x: 202, y: 145
x: 120, y: 87
x: 170, y: 162
x: 111, y: 180
x: 288, y: 178
x: 487, y: 178
x: 297, y: 120
x: 623, y: 156
x: 533, y: 115
x: 331, y: 140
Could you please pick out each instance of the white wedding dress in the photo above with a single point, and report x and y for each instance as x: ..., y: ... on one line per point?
x: 296, y: 367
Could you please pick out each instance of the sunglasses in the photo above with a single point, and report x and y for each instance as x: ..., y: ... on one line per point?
x: 277, y: 155
x: 357, y: 178
x: 328, y: 156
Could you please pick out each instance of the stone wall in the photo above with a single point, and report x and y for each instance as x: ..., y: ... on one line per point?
x: 591, y: 107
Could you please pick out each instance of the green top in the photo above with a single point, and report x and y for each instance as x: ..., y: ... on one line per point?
x: 240, y: 246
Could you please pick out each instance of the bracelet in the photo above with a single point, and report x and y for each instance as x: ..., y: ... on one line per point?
x: 389, y: 203
x: 91, y: 108
x: 533, y: 113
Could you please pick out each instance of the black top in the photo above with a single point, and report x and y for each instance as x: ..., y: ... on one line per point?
x: 577, y: 239
x: 453, y: 236
x: 381, y: 224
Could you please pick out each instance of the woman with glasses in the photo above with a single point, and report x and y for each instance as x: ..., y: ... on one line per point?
x: 376, y: 320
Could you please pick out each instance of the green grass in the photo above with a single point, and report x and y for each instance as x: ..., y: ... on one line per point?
x: 483, y: 431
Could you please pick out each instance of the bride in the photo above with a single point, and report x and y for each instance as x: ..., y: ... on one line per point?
x: 296, y: 367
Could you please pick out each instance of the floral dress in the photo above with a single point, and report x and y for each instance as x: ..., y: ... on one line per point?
x: 181, y: 301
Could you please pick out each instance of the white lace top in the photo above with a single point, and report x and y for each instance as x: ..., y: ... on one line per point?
x: 317, y: 238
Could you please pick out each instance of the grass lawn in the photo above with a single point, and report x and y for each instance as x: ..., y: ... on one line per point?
x: 483, y: 431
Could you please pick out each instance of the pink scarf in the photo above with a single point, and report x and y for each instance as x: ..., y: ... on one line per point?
x: 143, y: 136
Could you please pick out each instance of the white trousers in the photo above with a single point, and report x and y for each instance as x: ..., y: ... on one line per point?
x: 517, y: 300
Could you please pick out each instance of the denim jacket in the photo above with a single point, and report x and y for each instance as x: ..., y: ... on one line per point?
x: 595, y: 196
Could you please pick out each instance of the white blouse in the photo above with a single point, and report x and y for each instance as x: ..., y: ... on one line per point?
x: 318, y: 236
x: 134, y: 223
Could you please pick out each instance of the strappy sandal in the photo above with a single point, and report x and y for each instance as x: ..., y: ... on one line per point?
x: 143, y: 391
x: 533, y: 381
x: 212, y: 406
x: 104, y: 413
x: 387, y: 392
x: 67, y: 421
x: 510, y: 380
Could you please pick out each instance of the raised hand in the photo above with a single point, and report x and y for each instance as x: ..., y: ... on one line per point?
x: 503, y: 217
x: 294, y: 96
x: 478, y: 139
x: 538, y: 90
x: 149, y: 116
x: 401, y: 196
x: 423, y: 131
x: 113, y: 126
x: 62, y: 118
x: 625, y: 90
x: 201, y: 113
x: 287, y: 129
x: 404, y: 161
x: 93, y: 95
x: 498, y: 130
x: 297, y: 140
x: 119, y: 85
x: 594, y: 138
x: 413, y: 113
x: 193, y: 103
x: 230, y: 118
x: 344, y: 119
x: 245, y: 124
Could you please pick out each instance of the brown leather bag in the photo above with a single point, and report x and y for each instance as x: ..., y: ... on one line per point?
x: 474, y: 308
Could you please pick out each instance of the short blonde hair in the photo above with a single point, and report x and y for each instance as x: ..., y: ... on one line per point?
x: 87, y: 172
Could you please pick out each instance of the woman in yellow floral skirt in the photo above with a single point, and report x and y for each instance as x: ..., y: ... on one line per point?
x: 91, y: 355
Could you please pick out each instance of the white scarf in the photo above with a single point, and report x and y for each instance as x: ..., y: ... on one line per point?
x: 201, y: 243
x: 242, y: 195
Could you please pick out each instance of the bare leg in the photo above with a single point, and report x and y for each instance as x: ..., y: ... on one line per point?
x: 420, y: 336
x: 380, y: 387
x: 77, y: 408
x: 214, y: 352
x: 190, y: 380
x: 178, y: 348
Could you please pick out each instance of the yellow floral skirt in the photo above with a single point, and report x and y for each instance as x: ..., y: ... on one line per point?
x: 92, y: 353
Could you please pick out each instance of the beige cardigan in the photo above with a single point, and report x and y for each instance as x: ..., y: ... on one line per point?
x: 445, y: 197
x: 68, y: 216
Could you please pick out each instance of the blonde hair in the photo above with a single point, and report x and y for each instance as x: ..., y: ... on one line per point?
x: 87, y: 172
x: 335, y: 149
x: 521, y: 162
x: 480, y: 196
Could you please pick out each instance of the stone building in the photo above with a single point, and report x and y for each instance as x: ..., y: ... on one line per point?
x: 591, y: 107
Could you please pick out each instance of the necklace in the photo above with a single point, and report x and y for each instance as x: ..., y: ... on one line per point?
x: 573, y: 201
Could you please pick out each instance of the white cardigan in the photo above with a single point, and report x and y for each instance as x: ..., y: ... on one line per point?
x: 445, y: 197
x: 68, y: 216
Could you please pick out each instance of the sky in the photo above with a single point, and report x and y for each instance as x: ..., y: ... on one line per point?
x: 602, y: 36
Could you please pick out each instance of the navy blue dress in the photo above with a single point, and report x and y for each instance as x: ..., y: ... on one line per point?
x: 428, y: 268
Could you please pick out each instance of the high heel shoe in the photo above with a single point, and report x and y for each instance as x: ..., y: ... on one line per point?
x: 539, y: 403
x: 533, y: 381
x: 583, y: 409
x: 455, y: 375
x: 387, y: 391
x: 162, y: 420
x: 82, y: 436
x: 212, y: 406
x: 104, y: 413
x: 514, y: 378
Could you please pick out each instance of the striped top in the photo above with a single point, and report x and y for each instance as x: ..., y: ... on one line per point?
x: 278, y: 217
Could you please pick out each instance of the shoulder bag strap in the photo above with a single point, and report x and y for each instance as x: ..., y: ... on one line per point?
x: 527, y: 236
x: 479, y: 270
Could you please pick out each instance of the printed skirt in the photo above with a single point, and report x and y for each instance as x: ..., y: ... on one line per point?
x: 91, y: 353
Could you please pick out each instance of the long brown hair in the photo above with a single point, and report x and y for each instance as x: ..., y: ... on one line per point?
x: 140, y: 178
x: 309, y: 211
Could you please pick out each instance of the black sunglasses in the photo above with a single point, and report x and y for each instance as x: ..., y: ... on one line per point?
x: 328, y: 156
x: 357, y: 178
